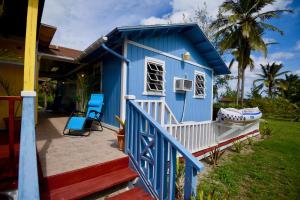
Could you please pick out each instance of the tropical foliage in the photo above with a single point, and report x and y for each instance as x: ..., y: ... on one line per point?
x: 291, y: 88
x: 241, y: 25
x: 270, y: 78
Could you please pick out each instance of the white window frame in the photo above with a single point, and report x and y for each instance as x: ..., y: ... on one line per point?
x: 156, y: 61
x: 195, y: 82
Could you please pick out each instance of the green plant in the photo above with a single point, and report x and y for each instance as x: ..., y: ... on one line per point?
x: 215, y: 156
x: 180, y: 171
x: 201, y: 195
x: 122, y: 123
x: 241, y: 25
x: 265, y: 129
x: 85, y: 88
x: 270, y: 78
x: 238, y: 146
x: 250, y: 140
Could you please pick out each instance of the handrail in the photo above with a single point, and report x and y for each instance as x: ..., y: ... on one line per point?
x: 151, y: 148
x: 11, y: 121
x: 158, y: 109
x: 194, y: 136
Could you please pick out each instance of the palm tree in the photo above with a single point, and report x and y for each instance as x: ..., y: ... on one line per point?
x: 241, y: 29
x: 291, y: 88
x: 270, y: 77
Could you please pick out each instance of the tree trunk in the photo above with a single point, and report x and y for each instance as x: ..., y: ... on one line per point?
x: 243, y: 87
x: 238, y: 86
x: 45, y: 100
x: 270, y: 91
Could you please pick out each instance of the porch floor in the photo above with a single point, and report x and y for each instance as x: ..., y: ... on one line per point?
x: 59, y: 154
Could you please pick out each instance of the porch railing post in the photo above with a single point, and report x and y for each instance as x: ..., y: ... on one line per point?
x: 28, y: 178
x: 28, y: 185
x: 190, y: 181
x: 11, y: 127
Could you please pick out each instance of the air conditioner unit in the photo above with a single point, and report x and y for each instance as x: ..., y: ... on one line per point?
x: 183, y: 85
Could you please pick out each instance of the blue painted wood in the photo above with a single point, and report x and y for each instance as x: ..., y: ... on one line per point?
x: 28, y: 185
x: 151, y: 147
x: 175, y: 44
x: 111, y: 86
x: 190, y: 181
x: 196, y: 109
x: 173, y: 163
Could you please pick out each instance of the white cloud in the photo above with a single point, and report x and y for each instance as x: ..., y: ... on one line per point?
x: 297, y: 72
x: 298, y: 45
x: 251, y: 76
x: 282, y: 55
x: 269, y: 40
x: 79, y: 23
x: 184, y: 9
x: 188, y: 7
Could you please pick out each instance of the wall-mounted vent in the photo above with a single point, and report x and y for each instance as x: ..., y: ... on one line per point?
x: 183, y: 85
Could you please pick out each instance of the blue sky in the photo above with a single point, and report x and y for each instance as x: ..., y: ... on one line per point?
x: 81, y: 22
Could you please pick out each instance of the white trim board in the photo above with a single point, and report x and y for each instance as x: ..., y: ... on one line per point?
x: 123, y: 82
x: 166, y: 54
x: 111, y: 127
x: 156, y: 61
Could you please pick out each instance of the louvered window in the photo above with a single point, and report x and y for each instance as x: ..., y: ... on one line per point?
x: 154, y: 80
x: 199, y: 85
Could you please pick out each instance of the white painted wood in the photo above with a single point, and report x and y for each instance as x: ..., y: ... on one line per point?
x: 195, y: 77
x: 159, y: 62
x: 201, y: 135
x: 123, y: 82
x: 159, y: 110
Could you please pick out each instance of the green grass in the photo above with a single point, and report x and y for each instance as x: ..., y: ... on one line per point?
x: 271, y: 171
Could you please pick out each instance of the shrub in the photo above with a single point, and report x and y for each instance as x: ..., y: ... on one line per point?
x: 180, y: 171
x: 274, y: 108
x: 265, y: 129
x: 250, y: 140
x: 238, y: 146
x: 201, y: 195
x: 215, y: 156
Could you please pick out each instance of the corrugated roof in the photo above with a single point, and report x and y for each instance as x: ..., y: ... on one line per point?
x: 191, y: 31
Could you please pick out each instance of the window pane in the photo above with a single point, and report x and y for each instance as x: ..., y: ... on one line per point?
x: 155, y: 77
x: 200, y: 85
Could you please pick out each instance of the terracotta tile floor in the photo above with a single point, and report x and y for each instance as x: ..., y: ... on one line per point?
x: 60, y: 154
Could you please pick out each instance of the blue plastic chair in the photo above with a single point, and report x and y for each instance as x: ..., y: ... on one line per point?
x: 85, y: 122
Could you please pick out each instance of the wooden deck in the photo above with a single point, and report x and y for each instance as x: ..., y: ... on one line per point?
x: 59, y: 154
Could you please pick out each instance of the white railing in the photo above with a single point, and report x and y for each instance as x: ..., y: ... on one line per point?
x: 197, y: 136
x: 194, y: 136
x: 159, y: 110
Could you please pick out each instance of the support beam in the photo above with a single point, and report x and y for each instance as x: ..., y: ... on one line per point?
x: 28, y: 185
x: 30, y: 45
x: 123, y: 82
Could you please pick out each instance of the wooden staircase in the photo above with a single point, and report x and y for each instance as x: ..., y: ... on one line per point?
x: 91, y: 180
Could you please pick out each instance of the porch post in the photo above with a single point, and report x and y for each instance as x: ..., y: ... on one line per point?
x: 123, y: 82
x: 28, y: 177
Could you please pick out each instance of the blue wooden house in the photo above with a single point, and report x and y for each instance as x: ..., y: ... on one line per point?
x: 158, y: 78
x: 171, y: 63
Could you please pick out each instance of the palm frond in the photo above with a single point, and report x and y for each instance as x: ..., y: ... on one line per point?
x: 270, y: 27
x: 272, y: 14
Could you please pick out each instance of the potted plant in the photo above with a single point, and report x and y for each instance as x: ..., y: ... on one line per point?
x: 121, y: 133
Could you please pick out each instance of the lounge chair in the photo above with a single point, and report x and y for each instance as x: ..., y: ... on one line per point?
x: 80, y: 122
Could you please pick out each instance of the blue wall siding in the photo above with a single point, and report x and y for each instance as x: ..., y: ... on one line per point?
x: 111, y: 86
x: 196, y: 109
x: 175, y: 44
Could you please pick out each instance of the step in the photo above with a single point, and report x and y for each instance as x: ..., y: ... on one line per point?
x: 135, y: 193
x: 79, y: 175
x: 86, y: 181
